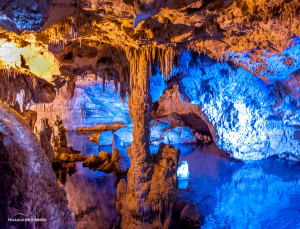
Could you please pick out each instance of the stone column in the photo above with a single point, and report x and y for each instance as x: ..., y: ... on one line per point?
x: 140, y: 110
x: 146, y: 201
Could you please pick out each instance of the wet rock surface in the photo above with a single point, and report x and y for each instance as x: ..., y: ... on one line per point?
x: 30, y: 117
x: 27, y: 176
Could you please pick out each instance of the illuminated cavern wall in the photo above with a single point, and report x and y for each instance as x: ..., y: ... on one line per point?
x: 253, y: 118
x: 89, y: 106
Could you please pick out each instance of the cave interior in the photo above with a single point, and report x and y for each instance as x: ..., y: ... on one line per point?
x: 149, y: 114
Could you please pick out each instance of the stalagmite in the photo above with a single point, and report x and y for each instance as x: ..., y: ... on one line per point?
x: 44, y: 137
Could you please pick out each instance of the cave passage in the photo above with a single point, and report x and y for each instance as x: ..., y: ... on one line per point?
x: 149, y: 114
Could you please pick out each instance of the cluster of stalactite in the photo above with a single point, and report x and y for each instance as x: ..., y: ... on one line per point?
x: 19, y: 90
x: 123, y: 71
x: 118, y: 71
x: 11, y: 85
x: 161, y: 57
x: 64, y: 31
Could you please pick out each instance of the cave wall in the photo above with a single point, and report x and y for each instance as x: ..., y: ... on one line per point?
x: 28, y: 183
x: 89, y: 105
x: 254, y: 118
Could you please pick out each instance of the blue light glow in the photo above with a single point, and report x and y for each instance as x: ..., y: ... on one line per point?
x: 157, y: 86
x: 183, y: 171
x: 90, y: 106
x: 241, y: 106
x: 183, y: 175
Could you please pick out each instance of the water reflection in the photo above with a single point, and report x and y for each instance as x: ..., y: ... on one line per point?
x: 183, y: 175
x: 228, y: 194
x: 92, y: 197
x: 262, y: 194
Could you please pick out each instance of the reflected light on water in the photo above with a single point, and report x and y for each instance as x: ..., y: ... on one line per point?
x: 183, y: 175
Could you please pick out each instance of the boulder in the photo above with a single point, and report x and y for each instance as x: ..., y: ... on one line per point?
x: 190, y: 216
x: 105, y: 157
x: 94, y: 138
x: 108, y: 167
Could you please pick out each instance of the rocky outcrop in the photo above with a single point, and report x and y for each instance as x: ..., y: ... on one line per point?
x: 19, y: 90
x: 67, y: 155
x: 30, y: 117
x: 253, y: 119
x: 108, y: 162
x: 44, y: 137
x: 172, y: 109
x: 92, y: 161
x: 27, y: 177
x: 62, y: 152
x: 190, y: 216
x: 101, y: 127
x: 59, y: 139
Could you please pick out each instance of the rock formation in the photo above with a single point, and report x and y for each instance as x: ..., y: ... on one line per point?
x: 147, y: 199
x: 44, y: 137
x: 59, y: 139
x: 30, y: 117
x: 28, y: 185
x: 151, y: 204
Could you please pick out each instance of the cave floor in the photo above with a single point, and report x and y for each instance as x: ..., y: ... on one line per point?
x: 228, y: 194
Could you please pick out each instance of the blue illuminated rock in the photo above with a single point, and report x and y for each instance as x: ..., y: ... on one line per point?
x: 241, y: 107
x: 106, y: 138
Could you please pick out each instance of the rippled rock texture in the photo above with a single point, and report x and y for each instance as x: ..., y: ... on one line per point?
x: 253, y: 119
x: 28, y: 183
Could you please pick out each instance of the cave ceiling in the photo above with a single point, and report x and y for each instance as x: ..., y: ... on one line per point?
x: 63, y: 38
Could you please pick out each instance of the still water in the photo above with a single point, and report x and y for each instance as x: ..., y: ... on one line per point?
x: 228, y: 194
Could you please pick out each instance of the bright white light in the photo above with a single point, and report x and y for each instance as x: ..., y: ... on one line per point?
x: 183, y: 171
